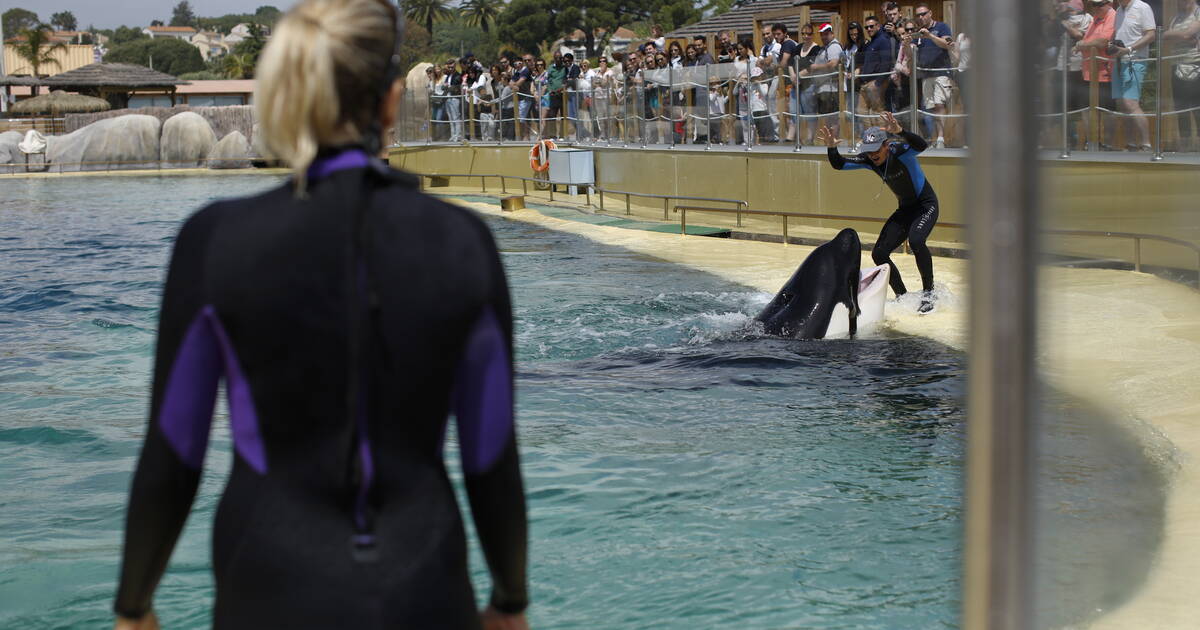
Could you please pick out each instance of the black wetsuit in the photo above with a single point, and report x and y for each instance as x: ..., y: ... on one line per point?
x: 918, y: 211
x: 347, y: 326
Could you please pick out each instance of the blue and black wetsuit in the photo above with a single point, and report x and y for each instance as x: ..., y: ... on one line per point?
x: 346, y: 326
x: 918, y: 211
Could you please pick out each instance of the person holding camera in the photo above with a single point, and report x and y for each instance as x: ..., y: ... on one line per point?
x: 1094, y: 48
x: 933, y: 41
x: 1131, y: 46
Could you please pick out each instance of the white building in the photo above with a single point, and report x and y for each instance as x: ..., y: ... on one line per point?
x: 178, y: 32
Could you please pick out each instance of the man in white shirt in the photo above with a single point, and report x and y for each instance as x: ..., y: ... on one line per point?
x: 826, y: 62
x: 1131, y: 45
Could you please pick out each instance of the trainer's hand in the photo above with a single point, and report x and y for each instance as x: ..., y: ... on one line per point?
x: 493, y: 619
x: 826, y: 135
x: 148, y: 622
x: 890, y: 124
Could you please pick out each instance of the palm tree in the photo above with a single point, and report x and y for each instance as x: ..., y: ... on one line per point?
x: 426, y: 11
x: 36, y: 48
x: 480, y: 12
x: 239, y: 66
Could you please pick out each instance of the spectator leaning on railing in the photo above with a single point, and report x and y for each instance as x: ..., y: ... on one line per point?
x: 1094, y: 45
x: 1131, y: 46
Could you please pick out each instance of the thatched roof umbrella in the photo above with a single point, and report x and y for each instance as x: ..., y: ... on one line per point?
x: 58, y: 102
x: 117, y: 80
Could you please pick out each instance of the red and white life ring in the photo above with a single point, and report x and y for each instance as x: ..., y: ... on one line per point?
x: 539, y: 155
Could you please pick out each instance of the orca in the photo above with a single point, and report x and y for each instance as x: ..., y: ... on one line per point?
x: 829, y: 295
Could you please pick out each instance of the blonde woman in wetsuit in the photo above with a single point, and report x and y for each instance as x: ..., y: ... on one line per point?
x: 348, y: 315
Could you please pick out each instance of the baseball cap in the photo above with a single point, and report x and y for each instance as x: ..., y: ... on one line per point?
x: 872, y: 139
x: 825, y: 27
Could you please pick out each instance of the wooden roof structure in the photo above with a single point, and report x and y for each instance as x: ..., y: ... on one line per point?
x: 114, y: 82
x: 58, y: 102
x: 741, y: 20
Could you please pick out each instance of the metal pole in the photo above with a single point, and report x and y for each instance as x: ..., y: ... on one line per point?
x: 429, y: 97
x: 625, y: 113
x: 670, y: 108
x: 1065, y: 47
x: 1158, y: 105
x: 998, y: 579
x: 641, y: 105
x: 708, y: 106
x: 913, y: 101
x: 3, y: 88
x: 853, y: 106
x: 748, y: 114
x: 796, y: 93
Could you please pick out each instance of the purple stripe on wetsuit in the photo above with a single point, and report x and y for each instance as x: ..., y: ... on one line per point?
x: 325, y: 166
x: 187, y: 406
x: 483, y: 402
x: 364, y: 443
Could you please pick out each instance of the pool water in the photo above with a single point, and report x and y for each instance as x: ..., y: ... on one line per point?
x: 682, y: 471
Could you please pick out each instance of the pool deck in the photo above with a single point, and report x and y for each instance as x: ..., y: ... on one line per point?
x: 1129, y: 342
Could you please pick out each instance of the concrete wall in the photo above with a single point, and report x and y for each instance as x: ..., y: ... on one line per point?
x: 1150, y: 198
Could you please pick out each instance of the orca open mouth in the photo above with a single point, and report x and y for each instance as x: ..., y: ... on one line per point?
x: 868, y: 277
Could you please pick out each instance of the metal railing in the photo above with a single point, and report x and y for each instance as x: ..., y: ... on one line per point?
x: 96, y: 166
x: 1136, y: 237
x: 747, y: 105
x: 739, y: 203
x: 45, y: 125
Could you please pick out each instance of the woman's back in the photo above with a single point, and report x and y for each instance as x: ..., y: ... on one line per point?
x: 349, y: 315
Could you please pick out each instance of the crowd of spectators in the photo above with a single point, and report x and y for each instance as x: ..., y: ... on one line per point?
x: 727, y: 91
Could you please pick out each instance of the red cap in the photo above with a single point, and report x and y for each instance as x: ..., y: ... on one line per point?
x: 825, y: 27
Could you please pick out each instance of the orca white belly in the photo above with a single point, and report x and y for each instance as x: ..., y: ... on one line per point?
x: 872, y: 294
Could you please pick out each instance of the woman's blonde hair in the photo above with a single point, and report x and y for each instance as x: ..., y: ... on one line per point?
x: 320, y: 78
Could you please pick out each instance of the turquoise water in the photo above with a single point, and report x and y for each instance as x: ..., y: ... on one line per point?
x: 681, y: 471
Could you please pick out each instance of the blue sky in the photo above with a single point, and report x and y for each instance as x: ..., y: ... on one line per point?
x: 114, y: 13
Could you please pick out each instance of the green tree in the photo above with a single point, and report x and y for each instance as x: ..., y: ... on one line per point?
x: 717, y: 7
x: 481, y: 13
x: 156, y: 23
x: 126, y: 34
x: 267, y: 15
x: 239, y: 66
x: 170, y: 55
x: 16, y: 20
x: 64, y: 21
x: 417, y: 45
x: 673, y: 15
x: 182, y: 14
x: 37, y: 49
x: 455, y: 37
x: 527, y: 24
x: 426, y: 12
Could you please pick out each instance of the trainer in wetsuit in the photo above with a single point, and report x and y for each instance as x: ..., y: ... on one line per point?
x: 896, y: 162
x: 348, y: 315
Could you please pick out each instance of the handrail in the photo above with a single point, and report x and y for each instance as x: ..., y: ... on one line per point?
x: 1137, y: 237
x: 739, y: 203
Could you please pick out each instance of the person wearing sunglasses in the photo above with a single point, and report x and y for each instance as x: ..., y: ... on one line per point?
x: 933, y: 40
x: 349, y: 315
x: 895, y: 161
